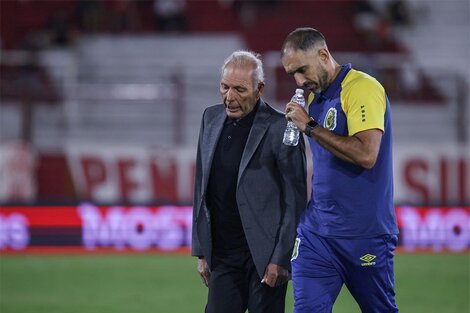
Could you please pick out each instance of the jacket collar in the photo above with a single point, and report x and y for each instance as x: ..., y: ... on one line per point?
x: 331, y: 90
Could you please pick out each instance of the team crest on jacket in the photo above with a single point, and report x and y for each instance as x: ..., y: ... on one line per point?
x: 330, y: 119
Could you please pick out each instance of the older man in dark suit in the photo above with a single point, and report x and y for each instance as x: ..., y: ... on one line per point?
x: 250, y: 190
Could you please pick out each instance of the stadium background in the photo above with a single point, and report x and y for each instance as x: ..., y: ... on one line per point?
x: 100, y: 104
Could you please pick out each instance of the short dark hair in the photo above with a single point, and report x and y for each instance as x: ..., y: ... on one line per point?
x: 303, y: 38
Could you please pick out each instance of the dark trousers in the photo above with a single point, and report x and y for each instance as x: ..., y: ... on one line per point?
x: 235, y: 286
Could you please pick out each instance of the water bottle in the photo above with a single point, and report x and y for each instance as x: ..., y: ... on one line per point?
x: 292, y: 133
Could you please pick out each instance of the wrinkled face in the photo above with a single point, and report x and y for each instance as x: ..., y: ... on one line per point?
x: 307, y: 68
x: 238, y: 93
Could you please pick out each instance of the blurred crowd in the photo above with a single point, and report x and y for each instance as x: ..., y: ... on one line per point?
x: 40, y: 24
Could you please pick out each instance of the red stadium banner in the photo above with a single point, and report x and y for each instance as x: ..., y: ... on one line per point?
x: 424, y: 174
x: 168, y: 228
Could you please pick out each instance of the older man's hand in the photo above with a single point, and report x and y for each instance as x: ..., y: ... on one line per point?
x: 275, y: 275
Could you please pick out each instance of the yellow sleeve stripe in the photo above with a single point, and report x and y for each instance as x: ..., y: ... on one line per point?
x: 363, y: 101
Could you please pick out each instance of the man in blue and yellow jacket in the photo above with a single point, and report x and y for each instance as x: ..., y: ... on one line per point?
x: 348, y: 232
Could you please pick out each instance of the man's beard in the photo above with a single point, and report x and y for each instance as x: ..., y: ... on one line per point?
x: 321, y: 86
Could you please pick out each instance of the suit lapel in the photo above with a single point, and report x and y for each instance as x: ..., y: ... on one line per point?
x: 259, y: 128
x: 214, y: 128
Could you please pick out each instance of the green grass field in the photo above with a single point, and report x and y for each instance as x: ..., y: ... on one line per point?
x: 128, y: 283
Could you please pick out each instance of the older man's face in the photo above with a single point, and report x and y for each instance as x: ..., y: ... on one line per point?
x: 237, y: 90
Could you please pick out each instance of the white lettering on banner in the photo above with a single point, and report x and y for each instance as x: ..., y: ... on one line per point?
x: 140, y: 228
x: 14, y: 231
x: 435, y: 228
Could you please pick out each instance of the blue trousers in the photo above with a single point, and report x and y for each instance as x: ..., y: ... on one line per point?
x: 320, y: 267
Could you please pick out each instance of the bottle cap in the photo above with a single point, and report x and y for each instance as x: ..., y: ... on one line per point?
x: 299, y: 90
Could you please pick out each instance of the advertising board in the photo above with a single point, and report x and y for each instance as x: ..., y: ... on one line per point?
x: 168, y: 228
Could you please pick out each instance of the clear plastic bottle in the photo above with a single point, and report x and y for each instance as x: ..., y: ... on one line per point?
x: 292, y: 133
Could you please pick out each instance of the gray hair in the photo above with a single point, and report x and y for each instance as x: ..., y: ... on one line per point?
x: 243, y: 57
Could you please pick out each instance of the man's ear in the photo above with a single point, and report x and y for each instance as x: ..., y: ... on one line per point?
x: 260, y: 89
x: 324, y: 54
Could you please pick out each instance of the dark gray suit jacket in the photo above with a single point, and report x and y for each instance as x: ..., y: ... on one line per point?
x: 271, y: 188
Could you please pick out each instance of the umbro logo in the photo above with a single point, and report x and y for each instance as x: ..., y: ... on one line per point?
x: 367, y: 258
